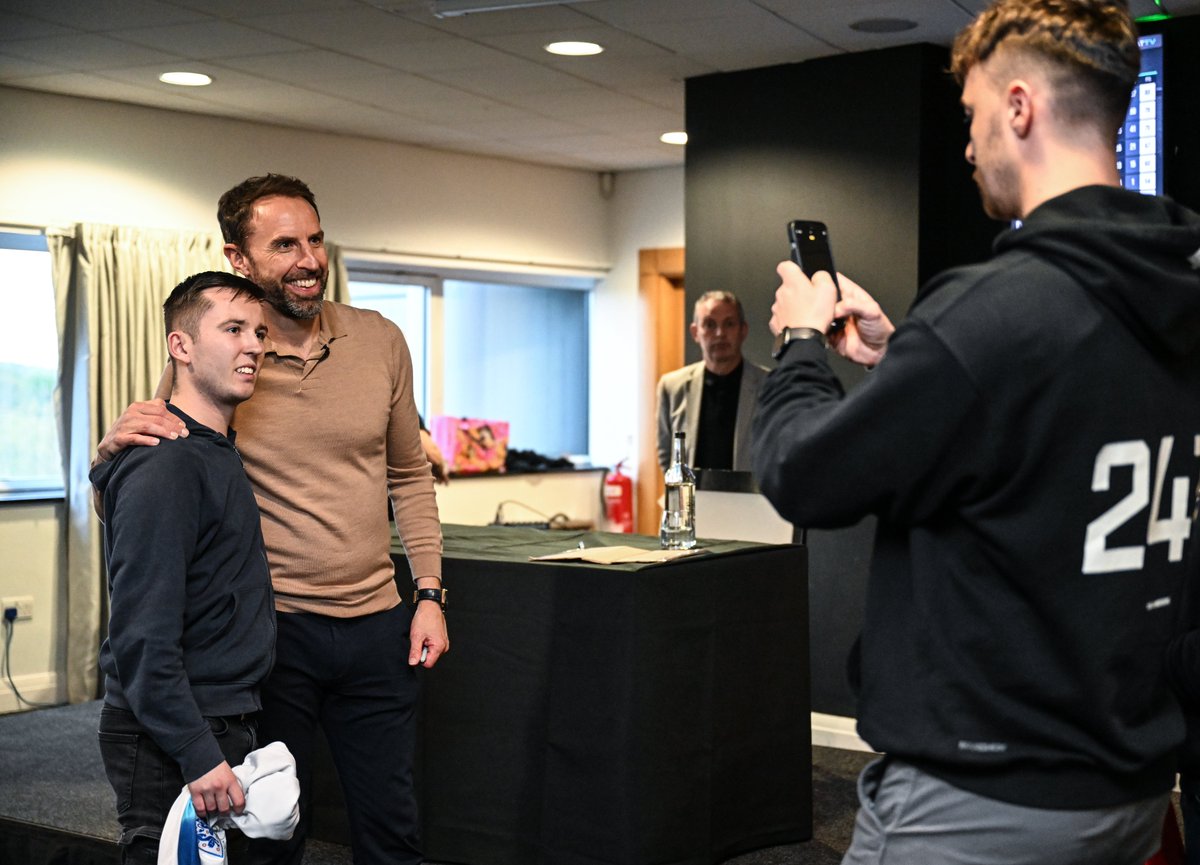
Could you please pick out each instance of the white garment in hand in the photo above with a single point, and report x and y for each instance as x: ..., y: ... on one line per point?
x: 268, y: 779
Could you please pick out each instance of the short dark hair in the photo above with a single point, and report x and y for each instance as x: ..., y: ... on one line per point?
x: 234, y: 208
x: 719, y: 296
x: 1088, y: 47
x: 187, y: 303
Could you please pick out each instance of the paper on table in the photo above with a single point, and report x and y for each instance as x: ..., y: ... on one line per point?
x: 615, y: 555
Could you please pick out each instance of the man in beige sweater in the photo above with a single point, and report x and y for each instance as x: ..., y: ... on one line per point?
x: 332, y: 425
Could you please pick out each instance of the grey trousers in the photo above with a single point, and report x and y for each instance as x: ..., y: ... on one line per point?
x: 907, y: 817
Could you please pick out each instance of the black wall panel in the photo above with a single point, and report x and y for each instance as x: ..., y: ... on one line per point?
x: 872, y: 144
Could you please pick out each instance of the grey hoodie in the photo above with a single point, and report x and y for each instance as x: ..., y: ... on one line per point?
x: 192, y: 625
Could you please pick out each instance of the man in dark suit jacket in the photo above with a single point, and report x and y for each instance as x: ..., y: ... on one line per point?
x: 712, y: 400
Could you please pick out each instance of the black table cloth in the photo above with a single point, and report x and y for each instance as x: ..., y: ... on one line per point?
x: 627, y: 714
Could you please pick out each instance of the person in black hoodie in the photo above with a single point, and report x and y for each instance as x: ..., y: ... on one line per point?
x: 1183, y: 667
x: 192, y: 623
x: 1029, y: 441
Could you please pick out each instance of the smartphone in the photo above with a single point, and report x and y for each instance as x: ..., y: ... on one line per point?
x: 810, y: 251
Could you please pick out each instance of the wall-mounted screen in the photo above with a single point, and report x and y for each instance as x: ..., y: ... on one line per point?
x: 1140, y: 145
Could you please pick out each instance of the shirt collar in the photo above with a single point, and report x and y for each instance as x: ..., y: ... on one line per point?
x: 330, y: 326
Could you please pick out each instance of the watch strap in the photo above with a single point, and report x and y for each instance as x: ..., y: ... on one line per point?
x: 789, y: 335
x: 438, y: 595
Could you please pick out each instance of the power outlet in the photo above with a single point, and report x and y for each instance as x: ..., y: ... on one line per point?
x: 23, y: 605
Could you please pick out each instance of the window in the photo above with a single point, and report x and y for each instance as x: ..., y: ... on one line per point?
x: 405, y: 301
x: 497, y: 346
x: 30, y: 466
x: 520, y: 354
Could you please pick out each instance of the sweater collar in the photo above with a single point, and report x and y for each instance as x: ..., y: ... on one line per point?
x: 330, y: 326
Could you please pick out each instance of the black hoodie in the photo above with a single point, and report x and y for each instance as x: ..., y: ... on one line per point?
x: 1030, y: 444
x: 192, y: 624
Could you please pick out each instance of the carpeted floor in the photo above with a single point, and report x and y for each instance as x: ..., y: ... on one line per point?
x: 51, y: 775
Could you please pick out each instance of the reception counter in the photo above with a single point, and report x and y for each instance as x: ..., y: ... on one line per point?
x: 628, y: 714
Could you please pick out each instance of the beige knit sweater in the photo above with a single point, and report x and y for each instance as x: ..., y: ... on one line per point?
x: 325, y: 440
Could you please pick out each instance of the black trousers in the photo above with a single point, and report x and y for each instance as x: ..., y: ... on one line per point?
x: 147, y: 782
x: 349, y: 677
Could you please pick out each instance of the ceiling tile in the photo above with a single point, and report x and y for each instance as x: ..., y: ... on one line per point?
x: 937, y: 20
x: 507, y: 79
x: 18, y: 26
x: 635, y: 13
x: 102, y: 15
x: 342, y: 29
x: 311, y: 68
x: 233, y: 9
x: 83, y: 52
x: 482, y: 83
x: 13, y: 69
x: 207, y: 39
x: 538, y: 19
x: 524, y: 127
x: 579, y: 100
x: 429, y: 55
x: 98, y: 87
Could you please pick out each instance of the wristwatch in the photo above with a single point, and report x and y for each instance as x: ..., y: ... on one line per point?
x: 794, y: 334
x: 438, y: 595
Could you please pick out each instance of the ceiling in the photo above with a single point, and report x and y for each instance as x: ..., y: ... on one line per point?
x: 481, y: 83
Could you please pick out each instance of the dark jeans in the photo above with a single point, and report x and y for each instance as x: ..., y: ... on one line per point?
x: 351, y: 678
x: 147, y: 781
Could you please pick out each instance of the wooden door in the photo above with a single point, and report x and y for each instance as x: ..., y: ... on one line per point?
x: 660, y: 290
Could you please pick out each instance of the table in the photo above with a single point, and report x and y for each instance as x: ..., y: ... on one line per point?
x: 625, y: 714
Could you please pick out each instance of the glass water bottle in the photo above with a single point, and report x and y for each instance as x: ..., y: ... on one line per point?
x: 678, y: 530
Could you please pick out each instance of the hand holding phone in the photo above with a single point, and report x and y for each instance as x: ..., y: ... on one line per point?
x: 810, y: 251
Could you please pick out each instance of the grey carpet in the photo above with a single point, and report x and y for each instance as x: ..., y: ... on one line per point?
x: 51, y: 775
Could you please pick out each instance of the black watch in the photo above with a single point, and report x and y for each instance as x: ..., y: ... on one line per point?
x: 794, y: 334
x: 438, y: 595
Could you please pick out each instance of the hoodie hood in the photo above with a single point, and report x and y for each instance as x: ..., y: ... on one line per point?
x: 1137, y: 254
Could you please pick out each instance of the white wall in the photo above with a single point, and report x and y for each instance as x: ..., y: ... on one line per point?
x: 646, y: 213
x: 31, y: 565
x: 66, y: 160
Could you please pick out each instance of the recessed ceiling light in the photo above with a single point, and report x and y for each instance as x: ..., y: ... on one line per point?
x: 185, y: 79
x: 673, y: 138
x: 574, y: 49
x: 883, y: 25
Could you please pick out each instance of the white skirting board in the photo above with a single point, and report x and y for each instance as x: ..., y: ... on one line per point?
x: 836, y: 731
x: 36, y: 687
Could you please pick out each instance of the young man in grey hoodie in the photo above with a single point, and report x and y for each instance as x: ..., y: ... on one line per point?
x: 192, y: 626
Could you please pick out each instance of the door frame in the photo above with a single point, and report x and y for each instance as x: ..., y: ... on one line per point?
x: 661, y: 296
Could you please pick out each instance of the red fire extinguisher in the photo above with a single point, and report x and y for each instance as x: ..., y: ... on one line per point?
x: 618, y: 500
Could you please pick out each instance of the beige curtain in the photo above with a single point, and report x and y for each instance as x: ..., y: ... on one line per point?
x: 109, y: 286
x: 338, y: 287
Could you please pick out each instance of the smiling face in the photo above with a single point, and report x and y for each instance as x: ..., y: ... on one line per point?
x: 284, y: 252
x: 220, y: 362
x: 987, y: 148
